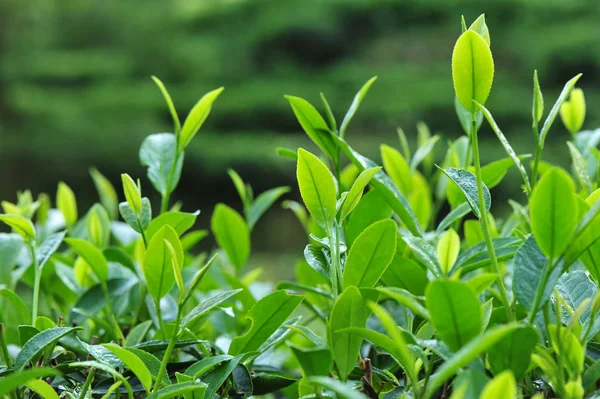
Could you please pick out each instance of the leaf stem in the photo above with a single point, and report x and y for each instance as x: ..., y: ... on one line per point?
x: 334, y: 245
x: 484, y: 222
x: 539, y: 146
x: 87, y: 383
x: 5, y: 354
x: 168, y: 351
x: 161, y: 323
x: 164, y: 205
x: 36, y: 282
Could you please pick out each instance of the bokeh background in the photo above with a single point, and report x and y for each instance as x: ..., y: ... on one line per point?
x: 75, y: 87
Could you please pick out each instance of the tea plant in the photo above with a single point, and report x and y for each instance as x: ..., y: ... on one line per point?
x: 394, y: 298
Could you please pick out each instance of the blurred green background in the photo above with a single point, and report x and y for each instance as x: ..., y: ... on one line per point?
x: 75, y: 87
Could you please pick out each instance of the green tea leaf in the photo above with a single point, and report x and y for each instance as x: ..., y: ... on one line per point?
x: 553, y: 212
x: 42, y: 388
x: 18, y: 379
x: 170, y: 105
x: 313, y: 361
x: 313, y: 124
x: 66, y: 203
x: 556, y: 108
x: 467, y: 183
x: 98, y: 226
x: 350, y: 310
x: 534, y: 277
x: 572, y: 112
x: 92, y: 255
x: 317, y: 188
x: 180, y: 388
x: 466, y: 355
x: 159, y: 153
x: 507, y: 147
x: 425, y: 254
x: 265, y: 382
x: 472, y: 69
x: 575, y: 288
x: 342, y: 390
x: 481, y: 28
x: 106, y: 192
x: 397, y: 168
x: 179, y: 221
x: 370, y: 255
x: 263, y: 202
x: 196, y: 118
x: 371, y: 208
x: 503, y: 386
x: 17, y: 303
x: 20, y: 225
x: 455, y: 312
x: 356, y: 191
x: 133, y: 363
x: 157, y: 263
x: 385, y: 186
x: 406, y: 274
x: 140, y: 222
x: 266, y: 316
x: 447, y: 250
x: 513, y: 352
x: 355, y: 104
x: 232, y: 234
x: 206, y: 306
x: 537, y: 110
x: 133, y: 193
x: 36, y: 345
x: 48, y: 248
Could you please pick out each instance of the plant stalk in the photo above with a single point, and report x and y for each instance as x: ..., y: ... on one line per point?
x: 168, y: 351
x: 334, y: 244
x: 164, y: 205
x: 484, y: 222
x: 36, y: 282
x: 539, y: 146
x: 87, y: 383
x: 5, y: 354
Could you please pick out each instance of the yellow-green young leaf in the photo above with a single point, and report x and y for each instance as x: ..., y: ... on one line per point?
x: 472, y: 70
x: 481, y: 28
x: 313, y: 124
x: 133, y: 363
x: 350, y: 310
x: 133, y: 194
x: 232, y: 234
x: 447, y: 249
x: 503, y: 386
x: 371, y: 254
x: 538, y: 100
x: 106, y: 192
x: 420, y: 199
x: 356, y: 191
x: 42, y: 388
x: 157, y: 263
x: 18, y: 379
x: 196, y: 117
x: 355, y: 104
x: 553, y: 211
x: 317, y: 188
x: 92, y: 256
x: 169, y: 101
x: 176, y: 270
x: 20, y: 224
x: 572, y: 112
x: 397, y: 168
x: 574, y: 389
x: 98, y: 226
x: 66, y: 203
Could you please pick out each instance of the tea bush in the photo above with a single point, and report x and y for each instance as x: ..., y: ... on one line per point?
x: 393, y: 299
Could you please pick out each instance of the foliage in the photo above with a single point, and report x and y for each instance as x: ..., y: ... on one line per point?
x: 394, y: 298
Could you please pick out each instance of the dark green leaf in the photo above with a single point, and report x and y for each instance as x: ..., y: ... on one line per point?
x: 467, y: 183
x: 36, y: 345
